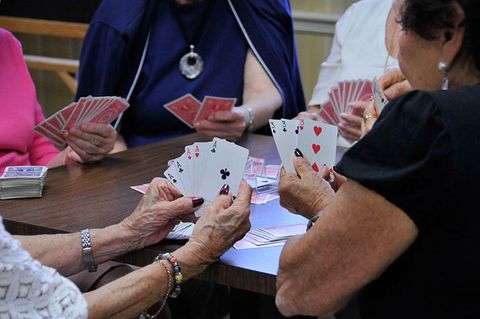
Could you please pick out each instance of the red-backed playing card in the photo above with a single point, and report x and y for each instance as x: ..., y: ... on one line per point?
x: 184, y: 108
x: 212, y: 104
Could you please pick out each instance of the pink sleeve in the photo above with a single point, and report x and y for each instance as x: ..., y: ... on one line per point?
x: 41, y: 150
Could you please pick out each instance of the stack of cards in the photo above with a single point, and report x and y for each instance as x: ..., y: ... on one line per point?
x: 341, y: 96
x: 205, y: 167
x: 101, y: 110
x: 316, y: 140
x: 22, y: 182
x: 269, y: 236
x: 189, y: 110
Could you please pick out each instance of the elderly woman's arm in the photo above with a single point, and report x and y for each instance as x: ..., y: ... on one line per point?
x: 357, y: 236
x: 153, y: 218
x: 217, y: 230
x: 259, y: 94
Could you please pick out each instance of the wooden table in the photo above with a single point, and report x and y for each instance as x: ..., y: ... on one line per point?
x: 94, y: 196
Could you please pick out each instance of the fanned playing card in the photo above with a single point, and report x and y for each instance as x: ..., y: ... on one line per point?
x: 285, y: 135
x: 340, y: 97
x: 185, y: 108
x: 378, y: 96
x: 316, y: 140
x: 102, y: 110
x: 212, y: 104
x: 205, y: 167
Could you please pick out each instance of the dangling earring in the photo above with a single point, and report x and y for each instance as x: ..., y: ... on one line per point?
x: 443, y: 67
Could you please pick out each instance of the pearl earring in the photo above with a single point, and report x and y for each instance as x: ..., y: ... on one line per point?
x: 443, y: 67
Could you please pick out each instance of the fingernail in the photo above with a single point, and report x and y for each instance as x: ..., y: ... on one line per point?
x: 298, y: 153
x: 197, y: 201
x: 225, y: 189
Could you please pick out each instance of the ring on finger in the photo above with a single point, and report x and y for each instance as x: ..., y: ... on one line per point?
x: 367, y: 116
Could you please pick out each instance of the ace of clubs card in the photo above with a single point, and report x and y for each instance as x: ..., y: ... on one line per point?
x: 225, y: 165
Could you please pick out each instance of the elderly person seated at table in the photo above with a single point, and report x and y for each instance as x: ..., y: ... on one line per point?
x: 403, y: 228
x: 20, y: 112
x: 32, y: 288
x: 243, y: 49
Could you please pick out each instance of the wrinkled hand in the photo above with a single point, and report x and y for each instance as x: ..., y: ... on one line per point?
x: 219, y: 228
x: 394, y: 84
x: 304, y: 193
x: 157, y: 213
x: 350, y: 125
x: 229, y: 125
x: 90, y: 142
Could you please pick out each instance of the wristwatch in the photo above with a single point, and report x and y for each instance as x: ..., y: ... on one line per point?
x: 87, y: 251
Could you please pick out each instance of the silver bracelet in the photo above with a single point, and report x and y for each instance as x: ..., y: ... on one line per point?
x: 250, y: 118
x: 87, y: 251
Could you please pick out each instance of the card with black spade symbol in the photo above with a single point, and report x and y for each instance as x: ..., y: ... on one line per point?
x: 285, y: 134
x: 205, y: 167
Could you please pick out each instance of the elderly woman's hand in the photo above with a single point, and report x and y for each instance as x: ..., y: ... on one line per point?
x: 90, y: 142
x: 157, y: 213
x: 304, y: 193
x: 394, y: 83
x: 229, y: 125
x: 218, y: 229
x: 350, y: 125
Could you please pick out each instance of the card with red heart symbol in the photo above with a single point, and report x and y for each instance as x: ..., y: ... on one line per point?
x: 318, y: 142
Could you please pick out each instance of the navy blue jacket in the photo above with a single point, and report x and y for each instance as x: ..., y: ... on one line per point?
x: 117, y: 34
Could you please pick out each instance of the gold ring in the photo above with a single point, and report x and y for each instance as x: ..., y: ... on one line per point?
x: 367, y: 116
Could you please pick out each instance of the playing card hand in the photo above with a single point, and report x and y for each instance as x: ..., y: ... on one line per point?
x: 90, y: 142
x: 350, y: 125
x: 223, y: 224
x: 305, y: 192
x: 159, y: 210
x: 394, y: 83
x: 308, y: 115
x: 229, y: 125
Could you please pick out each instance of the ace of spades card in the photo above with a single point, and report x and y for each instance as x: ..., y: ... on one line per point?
x: 285, y: 134
x: 317, y: 141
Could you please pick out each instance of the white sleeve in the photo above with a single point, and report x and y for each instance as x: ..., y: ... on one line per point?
x: 330, y: 69
x: 30, y: 290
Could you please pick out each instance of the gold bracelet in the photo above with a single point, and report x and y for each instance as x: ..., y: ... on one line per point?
x: 145, y: 314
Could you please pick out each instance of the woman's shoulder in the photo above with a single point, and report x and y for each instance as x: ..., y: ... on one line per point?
x: 8, y: 40
x: 119, y: 14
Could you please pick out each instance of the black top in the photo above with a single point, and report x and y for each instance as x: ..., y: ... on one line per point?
x: 423, y: 156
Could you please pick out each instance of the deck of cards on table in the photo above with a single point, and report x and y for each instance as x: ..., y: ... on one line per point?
x: 205, y: 167
x: 102, y: 110
x: 190, y: 110
x: 269, y: 236
x: 22, y: 182
x: 316, y: 140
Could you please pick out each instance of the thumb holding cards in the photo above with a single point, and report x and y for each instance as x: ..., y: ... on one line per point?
x: 304, y: 192
x: 222, y: 225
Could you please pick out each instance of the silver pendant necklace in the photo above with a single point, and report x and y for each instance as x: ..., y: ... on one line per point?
x: 191, y: 64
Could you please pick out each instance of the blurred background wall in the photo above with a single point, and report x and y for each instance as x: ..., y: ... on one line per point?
x: 314, y: 24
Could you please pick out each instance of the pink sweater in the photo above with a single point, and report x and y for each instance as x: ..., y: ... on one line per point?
x: 19, y: 110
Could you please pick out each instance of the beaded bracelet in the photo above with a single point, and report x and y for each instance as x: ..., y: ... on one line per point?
x: 145, y: 314
x: 177, y: 273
